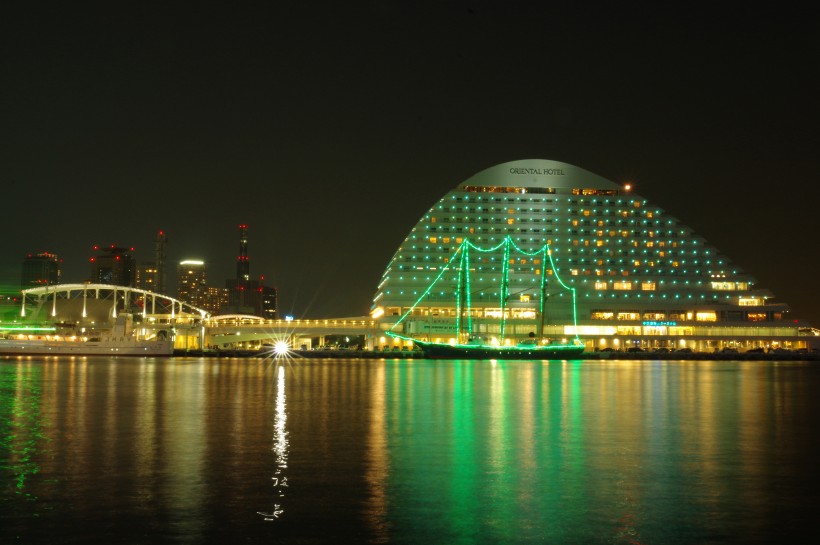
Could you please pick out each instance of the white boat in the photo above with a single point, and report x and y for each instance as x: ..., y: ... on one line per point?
x: 121, y: 340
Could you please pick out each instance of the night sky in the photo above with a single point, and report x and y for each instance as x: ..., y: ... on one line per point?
x: 331, y: 129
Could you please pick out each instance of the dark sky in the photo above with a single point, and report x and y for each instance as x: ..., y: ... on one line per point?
x: 330, y: 129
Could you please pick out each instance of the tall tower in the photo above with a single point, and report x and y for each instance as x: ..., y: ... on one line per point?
x: 160, y: 244
x: 243, y: 266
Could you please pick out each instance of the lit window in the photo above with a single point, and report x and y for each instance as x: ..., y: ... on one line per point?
x: 648, y: 286
x: 433, y: 239
x: 602, y: 315
x: 622, y: 285
x: 706, y: 316
x: 601, y: 285
x: 723, y: 286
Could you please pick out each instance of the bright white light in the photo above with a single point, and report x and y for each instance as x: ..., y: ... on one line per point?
x: 281, y: 348
x: 288, y: 318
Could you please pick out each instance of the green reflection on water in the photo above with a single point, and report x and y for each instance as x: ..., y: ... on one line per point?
x: 501, y: 462
x: 21, y: 426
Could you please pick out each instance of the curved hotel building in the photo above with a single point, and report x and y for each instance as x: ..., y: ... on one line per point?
x: 538, y: 244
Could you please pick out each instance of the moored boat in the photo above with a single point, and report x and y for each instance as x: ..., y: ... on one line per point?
x: 121, y: 340
x: 466, y: 341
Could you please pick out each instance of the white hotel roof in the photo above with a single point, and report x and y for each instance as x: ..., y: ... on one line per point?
x: 539, y: 173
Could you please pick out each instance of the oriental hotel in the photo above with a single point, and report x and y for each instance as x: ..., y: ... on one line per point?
x: 618, y: 271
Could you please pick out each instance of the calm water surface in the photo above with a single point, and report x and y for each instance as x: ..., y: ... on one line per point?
x: 185, y: 450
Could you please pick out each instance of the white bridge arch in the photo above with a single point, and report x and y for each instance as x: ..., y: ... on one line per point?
x: 121, y: 298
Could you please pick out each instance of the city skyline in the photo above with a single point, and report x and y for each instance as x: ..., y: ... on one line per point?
x: 330, y: 137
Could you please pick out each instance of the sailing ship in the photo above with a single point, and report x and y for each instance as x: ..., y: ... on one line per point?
x: 468, y: 343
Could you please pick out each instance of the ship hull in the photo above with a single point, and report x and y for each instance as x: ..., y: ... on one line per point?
x: 469, y: 352
x: 88, y: 348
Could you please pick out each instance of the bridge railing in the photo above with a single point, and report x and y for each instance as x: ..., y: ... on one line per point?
x: 254, y: 322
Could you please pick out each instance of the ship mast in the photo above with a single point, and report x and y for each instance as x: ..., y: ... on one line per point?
x: 542, y: 299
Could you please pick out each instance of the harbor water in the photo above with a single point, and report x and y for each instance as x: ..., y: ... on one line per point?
x: 248, y: 450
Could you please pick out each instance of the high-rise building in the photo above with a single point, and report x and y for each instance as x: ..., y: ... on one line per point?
x: 269, y: 303
x: 151, y: 275
x: 147, y: 276
x: 215, y: 300
x: 542, y: 244
x: 246, y: 296
x: 192, y: 279
x: 40, y: 269
x: 113, y: 265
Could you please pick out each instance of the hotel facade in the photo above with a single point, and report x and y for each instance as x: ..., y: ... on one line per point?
x: 557, y: 248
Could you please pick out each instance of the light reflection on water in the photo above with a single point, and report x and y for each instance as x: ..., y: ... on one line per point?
x: 280, y: 448
x: 407, y: 451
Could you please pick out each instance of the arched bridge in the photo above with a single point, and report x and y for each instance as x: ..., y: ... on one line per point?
x: 102, y: 302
